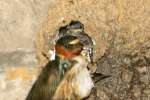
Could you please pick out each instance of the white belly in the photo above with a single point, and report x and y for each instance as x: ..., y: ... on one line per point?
x: 84, y: 83
x: 77, y: 82
x: 82, y: 80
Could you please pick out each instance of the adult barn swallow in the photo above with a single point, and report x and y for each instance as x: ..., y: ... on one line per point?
x: 66, y: 77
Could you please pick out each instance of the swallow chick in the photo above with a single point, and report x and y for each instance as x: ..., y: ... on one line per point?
x: 76, y: 28
x: 63, y: 78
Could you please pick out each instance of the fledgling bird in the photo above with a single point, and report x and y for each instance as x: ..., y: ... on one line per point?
x: 76, y: 28
x: 66, y: 77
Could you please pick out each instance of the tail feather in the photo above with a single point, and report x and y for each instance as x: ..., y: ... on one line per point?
x: 99, y: 76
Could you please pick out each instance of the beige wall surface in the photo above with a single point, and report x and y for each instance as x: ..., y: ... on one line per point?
x: 120, y: 28
x: 20, y: 20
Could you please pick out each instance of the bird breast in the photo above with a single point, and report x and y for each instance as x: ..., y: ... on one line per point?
x: 77, y: 82
x: 82, y: 82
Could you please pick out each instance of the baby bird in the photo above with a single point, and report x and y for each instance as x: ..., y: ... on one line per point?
x: 76, y: 28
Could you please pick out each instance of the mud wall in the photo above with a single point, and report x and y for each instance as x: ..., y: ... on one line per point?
x: 120, y: 28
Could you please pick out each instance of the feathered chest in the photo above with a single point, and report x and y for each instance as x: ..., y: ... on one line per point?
x: 76, y: 83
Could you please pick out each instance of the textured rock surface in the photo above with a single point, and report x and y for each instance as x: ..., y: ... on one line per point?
x: 121, y: 29
x: 16, y: 82
x: 20, y: 20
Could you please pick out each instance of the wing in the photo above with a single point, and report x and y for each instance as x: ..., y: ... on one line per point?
x: 99, y: 76
x: 65, y: 90
x: 45, y: 85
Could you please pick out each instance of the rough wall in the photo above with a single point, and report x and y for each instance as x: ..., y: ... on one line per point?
x: 121, y: 29
x: 102, y: 18
x: 20, y: 20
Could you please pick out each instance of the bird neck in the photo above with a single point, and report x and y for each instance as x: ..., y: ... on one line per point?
x: 64, y: 53
x: 63, y: 64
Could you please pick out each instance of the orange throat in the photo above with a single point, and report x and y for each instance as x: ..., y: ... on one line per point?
x: 66, y: 53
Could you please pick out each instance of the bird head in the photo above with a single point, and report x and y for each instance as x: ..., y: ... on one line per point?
x: 68, y: 47
x: 75, y: 26
x: 72, y: 27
